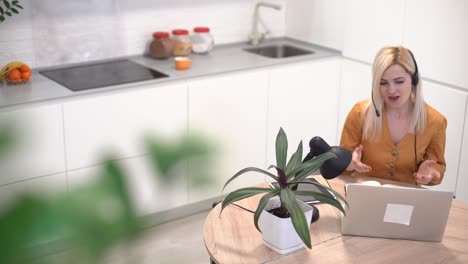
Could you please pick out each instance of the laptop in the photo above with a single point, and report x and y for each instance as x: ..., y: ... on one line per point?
x: 396, y: 212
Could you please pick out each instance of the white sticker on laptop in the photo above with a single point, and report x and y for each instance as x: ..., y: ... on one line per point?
x: 398, y: 214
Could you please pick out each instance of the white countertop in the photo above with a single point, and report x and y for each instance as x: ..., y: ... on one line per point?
x: 222, y: 59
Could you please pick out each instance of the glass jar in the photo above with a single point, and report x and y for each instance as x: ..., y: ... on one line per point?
x: 202, y: 40
x: 182, y: 42
x: 161, y: 47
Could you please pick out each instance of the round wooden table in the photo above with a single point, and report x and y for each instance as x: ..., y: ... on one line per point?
x: 233, y: 238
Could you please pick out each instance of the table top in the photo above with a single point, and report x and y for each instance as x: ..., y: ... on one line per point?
x: 233, y: 238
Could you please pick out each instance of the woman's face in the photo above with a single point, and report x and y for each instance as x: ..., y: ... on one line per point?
x: 395, y: 87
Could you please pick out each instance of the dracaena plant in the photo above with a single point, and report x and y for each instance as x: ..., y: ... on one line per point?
x: 288, y: 175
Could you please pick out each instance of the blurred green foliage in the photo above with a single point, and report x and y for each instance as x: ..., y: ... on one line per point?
x: 88, y: 220
x: 9, y: 8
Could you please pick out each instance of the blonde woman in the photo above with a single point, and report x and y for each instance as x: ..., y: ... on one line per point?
x: 396, y: 135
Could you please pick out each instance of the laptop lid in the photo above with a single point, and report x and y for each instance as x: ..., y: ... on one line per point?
x: 396, y: 212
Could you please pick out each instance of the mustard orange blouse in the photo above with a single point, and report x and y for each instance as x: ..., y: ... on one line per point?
x: 397, y: 162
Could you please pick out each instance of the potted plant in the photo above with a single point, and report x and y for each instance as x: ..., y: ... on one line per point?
x: 278, y: 210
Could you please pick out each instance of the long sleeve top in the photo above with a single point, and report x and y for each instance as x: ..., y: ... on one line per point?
x: 397, y: 162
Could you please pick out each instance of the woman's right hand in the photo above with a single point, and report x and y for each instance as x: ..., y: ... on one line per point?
x: 356, y: 163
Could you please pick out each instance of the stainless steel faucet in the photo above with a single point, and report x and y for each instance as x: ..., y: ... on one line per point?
x: 256, y: 36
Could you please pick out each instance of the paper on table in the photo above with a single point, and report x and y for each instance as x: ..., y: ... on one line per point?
x: 398, y: 213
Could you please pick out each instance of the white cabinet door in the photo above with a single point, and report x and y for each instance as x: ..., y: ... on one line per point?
x: 117, y: 123
x: 462, y: 180
x: 147, y: 189
x: 452, y: 104
x: 370, y: 25
x: 356, y: 82
x: 39, y: 148
x: 231, y: 111
x: 303, y: 100
x: 436, y: 31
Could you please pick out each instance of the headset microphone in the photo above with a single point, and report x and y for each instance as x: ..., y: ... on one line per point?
x: 377, y: 113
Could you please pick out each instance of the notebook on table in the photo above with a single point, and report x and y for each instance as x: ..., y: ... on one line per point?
x: 396, y: 212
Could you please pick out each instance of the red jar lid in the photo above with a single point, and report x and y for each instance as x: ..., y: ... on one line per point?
x: 201, y: 29
x: 180, y: 32
x: 160, y: 35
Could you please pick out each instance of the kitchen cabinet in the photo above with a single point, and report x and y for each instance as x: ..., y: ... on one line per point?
x: 38, y: 145
x: 147, y: 190
x: 117, y: 123
x: 462, y: 180
x: 303, y: 100
x: 452, y: 104
x: 230, y: 110
x: 439, y: 43
x: 371, y: 25
x: 46, y: 187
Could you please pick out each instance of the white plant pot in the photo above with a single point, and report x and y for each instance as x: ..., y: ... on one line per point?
x: 279, y: 233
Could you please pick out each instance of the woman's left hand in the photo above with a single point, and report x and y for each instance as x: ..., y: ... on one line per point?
x: 426, y: 172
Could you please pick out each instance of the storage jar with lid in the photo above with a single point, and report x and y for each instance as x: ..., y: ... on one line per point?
x: 202, y: 40
x: 161, y: 47
x: 182, y: 42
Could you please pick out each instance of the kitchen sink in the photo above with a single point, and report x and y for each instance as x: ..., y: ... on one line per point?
x: 279, y: 51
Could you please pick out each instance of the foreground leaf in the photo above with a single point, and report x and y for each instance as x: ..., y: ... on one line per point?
x: 298, y: 218
x: 322, y: 198
x: 295, y: 160
x: 321, y: 186
x: 309, y: 166
x: 247, y: 170
x: 242, y: 194
x: 281, y: 149
x: 261, y: 205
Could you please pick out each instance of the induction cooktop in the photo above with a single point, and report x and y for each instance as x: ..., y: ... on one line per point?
x: 102, y: 74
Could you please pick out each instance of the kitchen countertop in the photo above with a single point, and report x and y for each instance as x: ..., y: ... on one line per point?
x: 222, y: 59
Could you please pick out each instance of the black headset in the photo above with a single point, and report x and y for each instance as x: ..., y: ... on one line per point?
x: 415, y: 76
x: 414, y: 81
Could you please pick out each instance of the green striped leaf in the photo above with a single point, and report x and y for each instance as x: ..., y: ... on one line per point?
x: 295, y: 160
x: 299, y: 221
x: 247, y: 170
x: 261, y: 206
x: 311, y: 165
x: 242, y: 194
x: 281, y: 149
x: 322, y: 198
x: 319, y: 185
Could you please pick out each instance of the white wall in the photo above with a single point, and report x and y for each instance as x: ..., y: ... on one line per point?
x: 317, y: 21
x: 435, y: 30
x: 52, y: 32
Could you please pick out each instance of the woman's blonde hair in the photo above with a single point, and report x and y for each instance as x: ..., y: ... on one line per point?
x: 386, y: 57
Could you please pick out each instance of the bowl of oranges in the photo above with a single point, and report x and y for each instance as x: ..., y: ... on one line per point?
x: 15, y: 72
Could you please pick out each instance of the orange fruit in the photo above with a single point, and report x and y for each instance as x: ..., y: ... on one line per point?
x: 13, y: 75
x: 26, y: 75
x: 24, y: 68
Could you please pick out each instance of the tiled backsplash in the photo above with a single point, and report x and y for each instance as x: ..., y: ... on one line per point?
x: 54, y: 32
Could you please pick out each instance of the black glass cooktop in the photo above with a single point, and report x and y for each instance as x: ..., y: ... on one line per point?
x: 102, y: 74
